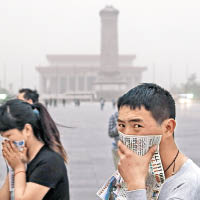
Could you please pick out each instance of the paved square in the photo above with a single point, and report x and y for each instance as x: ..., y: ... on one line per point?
x: 89, y: 147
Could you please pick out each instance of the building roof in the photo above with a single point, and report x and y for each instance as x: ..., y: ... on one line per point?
x: 71, y: 57
x: 77, y: 69
x: 84, y: 59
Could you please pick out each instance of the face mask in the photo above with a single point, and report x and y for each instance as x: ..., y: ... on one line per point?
x: 19, y: 144
x: 140, y: 145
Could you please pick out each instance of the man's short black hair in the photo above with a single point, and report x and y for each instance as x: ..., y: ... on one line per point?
x: 30, y: 94
x: 154, y: 99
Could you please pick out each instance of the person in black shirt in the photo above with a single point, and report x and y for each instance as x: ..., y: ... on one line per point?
x: 39, y: 169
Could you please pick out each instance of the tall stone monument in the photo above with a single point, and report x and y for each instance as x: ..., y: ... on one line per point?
x: 110, y: 83
x: 109, y: 38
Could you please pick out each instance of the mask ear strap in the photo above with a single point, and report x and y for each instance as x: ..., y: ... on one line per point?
x: 6, y: 166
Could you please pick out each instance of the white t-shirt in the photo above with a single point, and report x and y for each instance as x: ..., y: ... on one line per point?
x: 184, y: 185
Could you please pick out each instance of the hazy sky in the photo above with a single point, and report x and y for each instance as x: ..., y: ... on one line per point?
x: 162, y: 33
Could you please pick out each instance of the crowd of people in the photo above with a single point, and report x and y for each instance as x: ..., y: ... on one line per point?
x: 39, y: 167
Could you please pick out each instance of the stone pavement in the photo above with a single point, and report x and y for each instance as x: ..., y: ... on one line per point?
x: 89, y: 147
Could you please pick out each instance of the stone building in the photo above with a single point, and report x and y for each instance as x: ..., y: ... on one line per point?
x: 91, y: 77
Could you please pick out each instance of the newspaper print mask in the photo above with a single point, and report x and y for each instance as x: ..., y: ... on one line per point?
x: 140, y: 145
x: 115, y: 187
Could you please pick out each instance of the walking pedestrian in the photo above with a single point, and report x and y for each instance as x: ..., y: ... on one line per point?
x: 31, y: 96
x: 28, y: 95
x: 113, y: 103
x: 102, y: 103
x: 39, y: 169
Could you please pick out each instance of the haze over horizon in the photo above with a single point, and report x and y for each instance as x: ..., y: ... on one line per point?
x: 164, y: 36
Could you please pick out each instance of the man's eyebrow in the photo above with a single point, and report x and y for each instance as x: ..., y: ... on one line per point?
x: 136, y: 120
x: 119, y: 120
x: 131, y: 120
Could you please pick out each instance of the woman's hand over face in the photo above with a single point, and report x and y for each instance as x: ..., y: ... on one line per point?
x: 15, y: 158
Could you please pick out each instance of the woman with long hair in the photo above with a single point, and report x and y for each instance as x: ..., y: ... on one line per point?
x: 39, y: 168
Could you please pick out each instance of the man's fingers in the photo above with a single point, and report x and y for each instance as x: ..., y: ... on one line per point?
x: 150, y: 153
x: 123, y: 148
x: 120, y: 153
x: 120, y: 147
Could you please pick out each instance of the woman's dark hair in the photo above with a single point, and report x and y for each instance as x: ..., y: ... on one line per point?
x: 154, y: 99
x: 16, y: 113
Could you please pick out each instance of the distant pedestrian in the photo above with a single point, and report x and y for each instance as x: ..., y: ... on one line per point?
x: 77, y: 102
x: 113, y: 103
x: 39, y: 169
x: 55, y: 102
x: 63, y: 102
x: 46, y: 102
x: 50, y: 101
x: 102, y: 103
x: 28, y: 95
x: 32, y: 97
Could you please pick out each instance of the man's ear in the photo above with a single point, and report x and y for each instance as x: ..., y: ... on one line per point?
x: 168, y: 127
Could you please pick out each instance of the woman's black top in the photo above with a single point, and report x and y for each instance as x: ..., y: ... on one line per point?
x: 48, y: 169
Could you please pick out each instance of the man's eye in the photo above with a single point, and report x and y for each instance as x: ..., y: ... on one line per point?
x: 137, y: 126
x: 121, y: 125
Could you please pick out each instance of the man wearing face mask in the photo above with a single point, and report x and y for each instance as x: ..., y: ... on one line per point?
x: 148, y: 110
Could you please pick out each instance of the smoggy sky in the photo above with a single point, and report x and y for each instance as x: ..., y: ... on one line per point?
x: 164, y: 35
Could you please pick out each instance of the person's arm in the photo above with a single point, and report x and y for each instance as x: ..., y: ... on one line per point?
x: 32, y: 191
x: 183, y: 191
x: 4, y: 191
x: 27, y: 191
